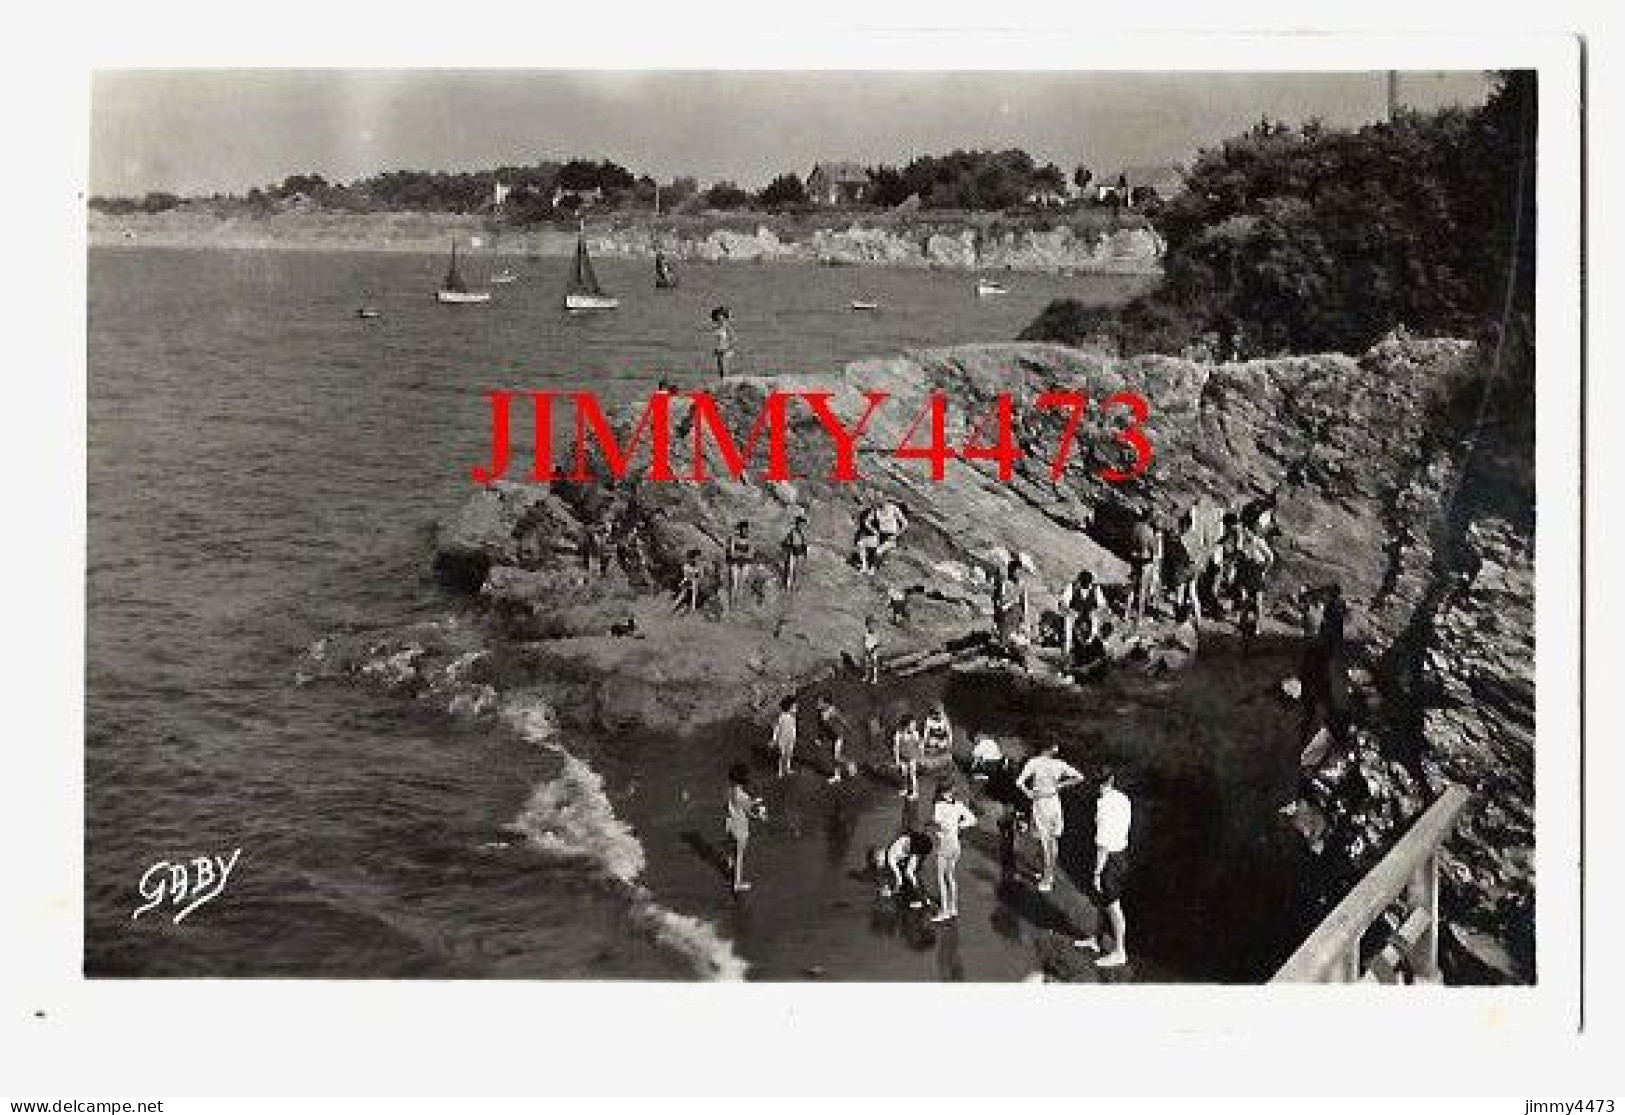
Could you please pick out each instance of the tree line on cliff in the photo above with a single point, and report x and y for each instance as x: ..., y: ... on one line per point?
x: 967, y: 180
x: 1309, y: 238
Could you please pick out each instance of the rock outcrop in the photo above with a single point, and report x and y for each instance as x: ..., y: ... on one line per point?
x: 1342, y: 443
x: 1479, y: 726
x: 946, y: 243
x: 1058, y: 249
x: 1349, y: 447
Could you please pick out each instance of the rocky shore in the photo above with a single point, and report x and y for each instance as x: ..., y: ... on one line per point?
x: 1131, y: 250
x: 856, y: 241
x: 1348, y: 446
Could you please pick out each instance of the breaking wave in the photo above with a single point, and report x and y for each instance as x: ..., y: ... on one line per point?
x: 571, y: 816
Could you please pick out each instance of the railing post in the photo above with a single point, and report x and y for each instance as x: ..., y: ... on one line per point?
x: 1410, y: 871
x: 1423, y: 894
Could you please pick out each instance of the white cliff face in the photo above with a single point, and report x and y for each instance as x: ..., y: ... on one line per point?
x: 1057, y: 249
x: 919, y: 243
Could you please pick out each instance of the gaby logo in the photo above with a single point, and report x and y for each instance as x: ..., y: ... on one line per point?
x: 184, y: 885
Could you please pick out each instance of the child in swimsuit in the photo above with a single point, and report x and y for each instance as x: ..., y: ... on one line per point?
x: 687, y: 597
x: 871, y: 652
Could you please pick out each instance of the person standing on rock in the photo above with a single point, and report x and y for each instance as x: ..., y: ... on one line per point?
x: 794, y: 547
x: 948, y: 816
x: 1011, y: 608
x: 1182, y: 571
x: 1219, y: 573
x: 905, y: 752
x: 1083, y: 602
x: 871, y: 652
x: 937, y: 735
x: 1254, y: 559
x: 738, y: 556
x: 866, y: 540
x: 596, y: 548
x: 890, y: 521
x: 1113, y: 816
x: 743, y: 806
x: 784, y: 734
x: 722, y: 346
x: 1042, y: 780
x: 1327, y: 701
x: 1142, y: 560
x: 687, y: 597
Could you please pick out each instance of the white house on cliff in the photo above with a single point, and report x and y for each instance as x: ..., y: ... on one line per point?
x: 837, y: 183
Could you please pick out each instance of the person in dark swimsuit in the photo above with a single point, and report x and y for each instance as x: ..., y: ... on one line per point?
x: 795, y: 551
x: 738, y: 556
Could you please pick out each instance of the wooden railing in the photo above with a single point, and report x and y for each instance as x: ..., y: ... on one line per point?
x: 1332, y: 953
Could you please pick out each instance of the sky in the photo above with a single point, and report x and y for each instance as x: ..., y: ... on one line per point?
x: 202, y: 131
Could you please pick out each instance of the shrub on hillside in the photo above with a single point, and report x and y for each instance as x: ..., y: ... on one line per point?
x: 1315, y: 239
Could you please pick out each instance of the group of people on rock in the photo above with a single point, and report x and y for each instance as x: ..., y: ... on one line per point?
x: 1169, y: 573
x: 879, y: 529
x: 1166, y: 571
x: 1228, y: 579
x: 612, y: 538
x: 1033, y: 795
x: 739, y: 558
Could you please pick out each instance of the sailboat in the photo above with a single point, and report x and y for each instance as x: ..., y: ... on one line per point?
x: 665, y: 273
x: 584, y: 292
x: 454, y: 291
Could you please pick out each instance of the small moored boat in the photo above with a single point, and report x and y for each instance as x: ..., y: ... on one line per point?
x: 858, y: 304
x: 585, y: 293
x: 367, y: 312
x: 986, y: 287
x: 453, y: 291
x: 503, y: 278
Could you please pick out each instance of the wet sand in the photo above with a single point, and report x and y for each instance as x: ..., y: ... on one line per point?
x: 1215, y: 890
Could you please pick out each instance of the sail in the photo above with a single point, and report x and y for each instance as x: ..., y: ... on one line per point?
x: 453, y: 281
x: 584, y: 281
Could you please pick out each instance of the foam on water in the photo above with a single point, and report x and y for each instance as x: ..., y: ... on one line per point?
x: 571, y: 815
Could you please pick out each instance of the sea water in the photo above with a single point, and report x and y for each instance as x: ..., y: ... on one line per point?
x: 264, y: 469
